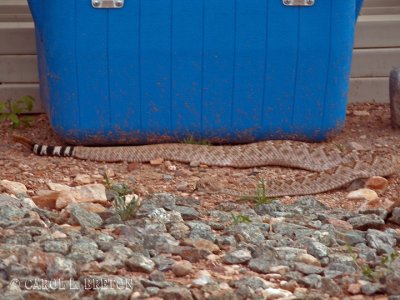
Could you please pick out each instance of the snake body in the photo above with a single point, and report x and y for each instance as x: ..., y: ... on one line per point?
x: 331, y: 167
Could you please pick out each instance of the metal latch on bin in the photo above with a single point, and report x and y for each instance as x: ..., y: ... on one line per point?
x: 298, y: 2
x: 108, y: 3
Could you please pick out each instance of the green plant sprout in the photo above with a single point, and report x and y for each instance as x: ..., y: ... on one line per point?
x: 237, y: 219
x: 11, y: 111
x: 261, y: 196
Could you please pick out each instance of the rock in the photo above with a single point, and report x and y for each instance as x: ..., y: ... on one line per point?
x: 396, y: 216
x: 354, y: 288
x: 61, y: 268
x: 199, y: 230
x: 58, y: 187
x: 363, y: 194
x: 12, y: 187
x: 393, y: 279
x: 377, y: 183
x: 182, y: 186
x: 361, y: 113
x: 330, y: 287
x: 308, y: 269
x: 64, y: 198
x: 182, y: 268
x: 84, y: 218
x: 372, y: 288
x: 156, y: 162
x: 116, y: 293
x: 307, y: 259
x: 383, y: 242
x: 204, y: 278
x: 262, y: 264
x: 317, y: 250
x: 237, y: 256
x: 83, y: 179
x: 61, y: 247
x: 363, y: 222
x: 89, y: 193
x: 140, y: 263
x: 188, y: 213
x: 175, y: 293
x: 273, y: 293
x: 46, y: 201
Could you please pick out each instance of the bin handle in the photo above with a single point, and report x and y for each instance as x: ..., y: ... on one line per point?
x: 108, y: 3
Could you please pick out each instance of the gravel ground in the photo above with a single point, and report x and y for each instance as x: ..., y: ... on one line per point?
x: 57, y: 222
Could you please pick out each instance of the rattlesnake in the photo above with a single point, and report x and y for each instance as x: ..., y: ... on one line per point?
x: 332, y: 168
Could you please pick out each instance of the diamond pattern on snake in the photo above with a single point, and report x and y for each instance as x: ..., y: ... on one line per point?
x: 330, y: 167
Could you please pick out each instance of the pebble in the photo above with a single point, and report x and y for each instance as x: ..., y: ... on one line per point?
x: 363, y: 194
x: 12, y: 187
x: 182, y: 268
x: 377, y: 183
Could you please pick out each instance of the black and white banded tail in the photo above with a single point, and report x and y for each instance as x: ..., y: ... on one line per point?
x: 43, y: 150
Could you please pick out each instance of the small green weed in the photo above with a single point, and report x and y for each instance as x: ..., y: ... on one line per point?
x: 261, y: 196
x: 379, y: 272
x: 191, y: 140
x: 126, y: 204
x: 11, y: 111
x: 237, y: 219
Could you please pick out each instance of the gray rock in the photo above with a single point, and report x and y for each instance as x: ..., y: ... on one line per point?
x: 263, y: 264
x: 311, y: 281
x: 221, y: 216
x: 291, y: 230
x: 330, y: 287
x: 249, y: 233
x: 341, y: 268
x: 157, y: 276
x: 253, y: 282
x: 113, y: 294
x: 308, y: 269
x: 179, y: 230
x: 61, y: 268
x: 16, y: 270
x: 393, y: 278
x: 381, y: 241
x: 152, y: 290
x: 163, y: 263
x: 309, y: 203
x: 226, y: 241
x: 364, y: 222
x: 396, y: 216
x: 381, y: 212
x: 175, y: 293
x: 237, y: 256
x: 84, y: 251
x: 84, y: 218
x: 121, y: 251
x: 288, y: 253
x: 372, y: 288
x: 159, y: 242
x: 188, y: 213
x: 61, y: 247
x: 202, y: 281
x: 271, y: 209
x: 112, y: 263
x: 162, y: 200
x: 200, y: 230
x: 18, y: 239
x: 140, y: 263
x: 160, y: 215
x: 352, y: 237
x: 318, y: 250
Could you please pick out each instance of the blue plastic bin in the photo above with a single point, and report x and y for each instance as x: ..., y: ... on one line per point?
x: 222, y: 70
